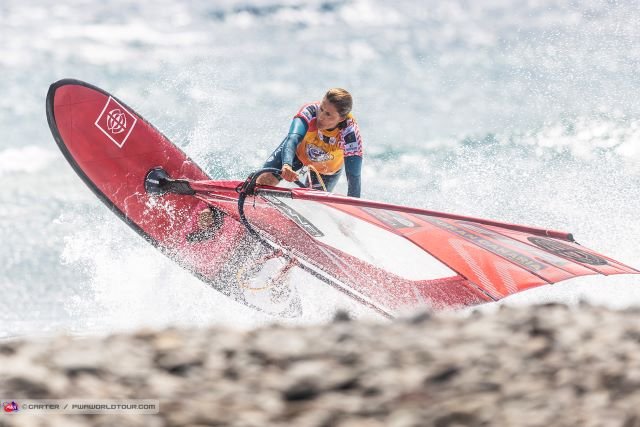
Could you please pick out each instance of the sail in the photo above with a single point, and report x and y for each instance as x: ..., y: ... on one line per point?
x: 397, y: 257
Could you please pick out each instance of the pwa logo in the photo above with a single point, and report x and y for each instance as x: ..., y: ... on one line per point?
x: 317, y: 154
x: 116, y: 122
x: 10, y: 406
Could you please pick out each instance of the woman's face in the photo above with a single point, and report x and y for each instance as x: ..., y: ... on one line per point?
x: 328, y: 117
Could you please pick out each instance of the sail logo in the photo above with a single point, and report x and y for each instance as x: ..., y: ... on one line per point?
x: 391, y: 218
x: 295, y: 216
x: 566, y: 251
x: 116, y: 122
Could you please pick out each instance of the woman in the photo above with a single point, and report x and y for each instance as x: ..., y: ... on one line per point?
x: 324, y: 135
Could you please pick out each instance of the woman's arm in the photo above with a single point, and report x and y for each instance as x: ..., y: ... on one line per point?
x: 352, y: 168
x: 297, y: 131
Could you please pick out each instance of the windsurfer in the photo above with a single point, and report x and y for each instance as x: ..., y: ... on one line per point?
x: 325, y: 136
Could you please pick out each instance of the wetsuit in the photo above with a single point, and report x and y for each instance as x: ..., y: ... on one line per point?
x: 328, y: 151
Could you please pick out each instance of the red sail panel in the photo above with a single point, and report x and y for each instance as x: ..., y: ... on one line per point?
x: 500, y: 258
x: 499, y: 268
x: 569, y: 255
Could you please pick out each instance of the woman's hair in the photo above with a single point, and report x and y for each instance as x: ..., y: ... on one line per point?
x: 341, y: 99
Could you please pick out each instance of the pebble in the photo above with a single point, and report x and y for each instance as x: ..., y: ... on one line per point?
x: 517, y: 366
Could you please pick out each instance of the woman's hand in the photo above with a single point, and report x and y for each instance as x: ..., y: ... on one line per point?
x: 288, y: 174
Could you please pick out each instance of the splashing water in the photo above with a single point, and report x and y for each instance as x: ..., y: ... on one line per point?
x: 520, y: 111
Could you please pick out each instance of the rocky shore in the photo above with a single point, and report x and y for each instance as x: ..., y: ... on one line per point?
x: 548, y: 365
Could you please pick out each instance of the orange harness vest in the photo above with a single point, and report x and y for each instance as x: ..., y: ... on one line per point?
x: 325, y: 149
x: 322, y: 150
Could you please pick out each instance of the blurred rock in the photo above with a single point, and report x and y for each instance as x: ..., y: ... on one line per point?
x: 517, y: 366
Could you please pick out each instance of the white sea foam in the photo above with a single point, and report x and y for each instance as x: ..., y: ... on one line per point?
x: 29, y: 159
x: 587, y: 137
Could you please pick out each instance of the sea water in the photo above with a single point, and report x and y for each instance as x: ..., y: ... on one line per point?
x: 519, y: 111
